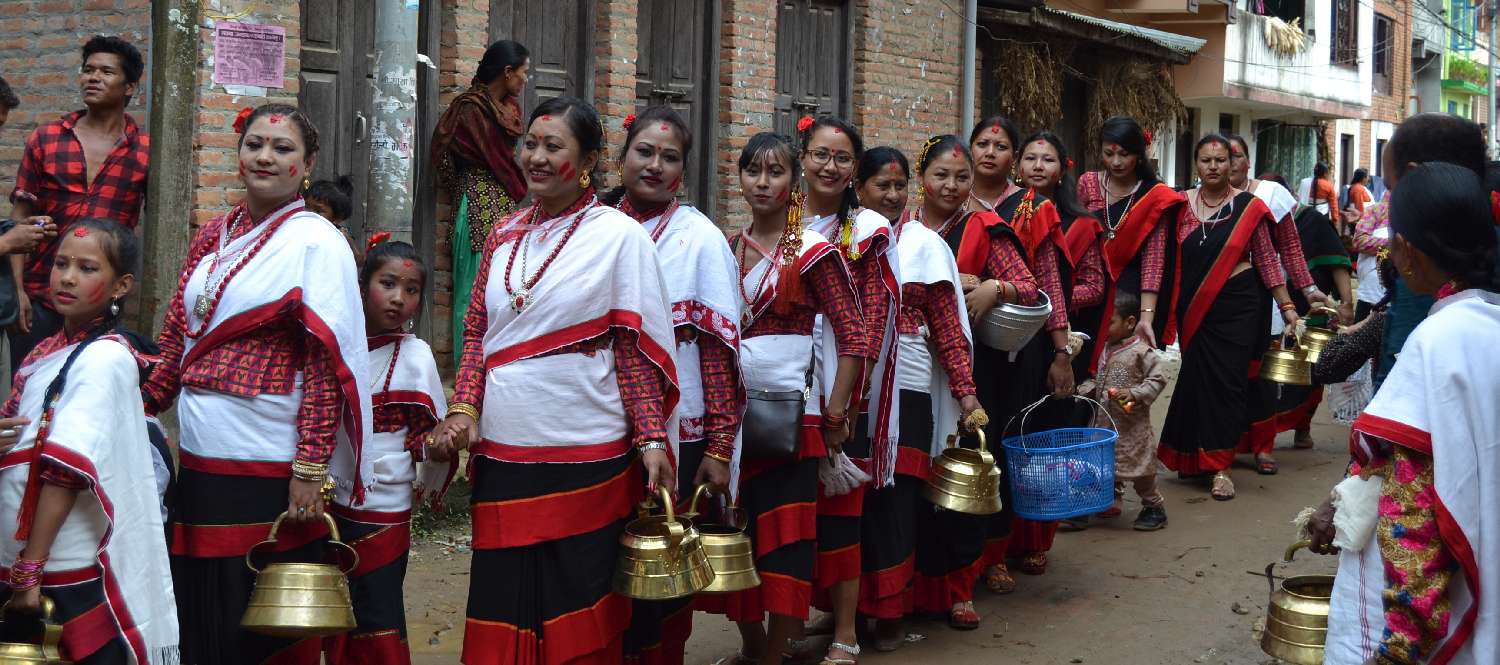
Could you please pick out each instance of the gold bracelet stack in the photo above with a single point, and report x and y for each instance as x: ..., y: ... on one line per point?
x: 465, y: 409
x: 311, y: 471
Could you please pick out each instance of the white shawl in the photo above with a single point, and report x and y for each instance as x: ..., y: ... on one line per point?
x: 567, y: 408
x: 926, y: 259
x: 874, y: 240
x: 413, y: 380
x: 1277, y: 198
x: 304, y: 272
x: 700, y: 273
x: 98, y: 431
x: 1440, y: 399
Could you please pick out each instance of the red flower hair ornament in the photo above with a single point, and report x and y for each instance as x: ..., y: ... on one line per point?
x: 805, y: 123
x: 1070, y: 163
x: 239, y: 120
x: 377, y: 238
x: 1149, y: 138
x: 629, y: 121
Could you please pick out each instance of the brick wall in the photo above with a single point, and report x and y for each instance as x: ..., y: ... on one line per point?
x: 42, y: 63
x: 216, y: 146
x: 1392, y: 107
x: 747, y: 81
x: 906, y: 82
x: 615, y: 54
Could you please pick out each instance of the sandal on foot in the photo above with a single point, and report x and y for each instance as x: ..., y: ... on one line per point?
x: 1034, y: 564
x: 1266, y: 466
x: 998, y: 580
x: 963, y: 618
x: 851, y: 649
x: 1223, y: 489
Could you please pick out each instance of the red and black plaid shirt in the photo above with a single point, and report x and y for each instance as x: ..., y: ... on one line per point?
x: 53, y: 178
x: 934, y: 306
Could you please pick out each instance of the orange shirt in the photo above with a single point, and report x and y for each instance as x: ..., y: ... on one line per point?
x: 1323, y: 193
x: 1359, y: 196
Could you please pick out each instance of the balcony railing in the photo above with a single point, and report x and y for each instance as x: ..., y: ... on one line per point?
x: 1250, y: 61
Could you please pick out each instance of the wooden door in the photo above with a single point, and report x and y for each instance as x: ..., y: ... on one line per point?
x: 337, y: 39
x: 559, y: 34
x: 812, y: 60
x: 672, y: 67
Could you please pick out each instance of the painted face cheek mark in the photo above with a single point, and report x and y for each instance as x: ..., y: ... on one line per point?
x: 242, y: 170
x: 676, y: 182
x: 781, y: 197
x: 566, y: 171
x: 293, y: 170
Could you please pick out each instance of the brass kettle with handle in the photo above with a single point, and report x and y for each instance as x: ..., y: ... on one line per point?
x: 1297, y: 615
x: 1317, y: 338
x: 661, y: 556
x: 44, y: 651
x: 730, y: 553
x: 965, y: 480
x: 1287, y: 365
x: 300, y: 600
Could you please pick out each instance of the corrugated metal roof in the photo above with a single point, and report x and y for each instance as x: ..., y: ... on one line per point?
x: 1180, y: 43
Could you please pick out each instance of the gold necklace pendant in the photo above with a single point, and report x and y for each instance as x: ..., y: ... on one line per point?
x: 201, y: 305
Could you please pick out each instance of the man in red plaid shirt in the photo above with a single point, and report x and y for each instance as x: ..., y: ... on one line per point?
x: 88, y: 164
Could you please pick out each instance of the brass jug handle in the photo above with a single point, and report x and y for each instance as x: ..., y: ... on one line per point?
x: 1292, y: 549
x: 333, y: 534
x: 980, y: 433
x: 675, y: 531
x: 701, y: 491
x: 952, y: 441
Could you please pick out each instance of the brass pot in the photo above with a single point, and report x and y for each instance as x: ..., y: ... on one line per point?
x: 1297, y: 615
x: 1287, y: 366
x: 965, y: 480
x: 44, y: 652
x: 730, y: 553
x: 661, y: 557
x: 300, y: 600
x: 1314, y: 341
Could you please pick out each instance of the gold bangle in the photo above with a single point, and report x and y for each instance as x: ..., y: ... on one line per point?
x: 309, y: 470
x: 464, y: 409
x: 721, y: 458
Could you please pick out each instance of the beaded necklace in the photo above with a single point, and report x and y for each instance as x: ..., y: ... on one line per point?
x: 390, y: 371
x: 205, y: 305
x: 520, y: 298
x: 643, y: 217
x: 748, y: 316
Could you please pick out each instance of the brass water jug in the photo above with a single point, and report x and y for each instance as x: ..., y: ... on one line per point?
x: 965, y: 480
x: 1297, y: 615
x: 730, y: 553
x: 1286, y: 364
x: 300, y: 600
x: 661, y: 557
x: 44, y: 652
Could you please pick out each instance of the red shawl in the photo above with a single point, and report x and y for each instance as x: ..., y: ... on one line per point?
x: 477, y: 132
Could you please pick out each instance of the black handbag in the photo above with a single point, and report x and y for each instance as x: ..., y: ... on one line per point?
x: 9, y: 309
x: 772, y: 425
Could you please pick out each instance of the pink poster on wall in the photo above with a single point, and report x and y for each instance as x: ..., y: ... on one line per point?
x: 249, y: 54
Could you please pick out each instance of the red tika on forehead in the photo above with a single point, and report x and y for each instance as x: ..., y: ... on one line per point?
x: 666, y: 127
x: 546, y: 118
x: 836, y: 130
x: 275, y: 118
x: 995, y: 128
x: 958, y: 152
x: 407, y: 263
x: 893, y: 167
x: 81, y: 232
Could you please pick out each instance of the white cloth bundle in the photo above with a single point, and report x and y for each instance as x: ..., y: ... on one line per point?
x: 839, y: 476
x: 1357, y: 505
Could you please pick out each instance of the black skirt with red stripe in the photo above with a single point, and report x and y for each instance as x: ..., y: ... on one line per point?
x: 546, y: 543
x: 216, y: 518
x: 90, y: 634
x: 889, y: 539
x: 1009, y: 387
x: 839, y: 523
x: 780, y: 503
x: 375, y: 586
x: 659, y: 630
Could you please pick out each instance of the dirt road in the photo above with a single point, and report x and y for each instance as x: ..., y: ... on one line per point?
x: 1111, y: 596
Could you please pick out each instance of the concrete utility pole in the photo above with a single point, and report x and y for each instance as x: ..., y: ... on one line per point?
x: 169, y: 192
x: 971, y: 22
x: 394, y: 118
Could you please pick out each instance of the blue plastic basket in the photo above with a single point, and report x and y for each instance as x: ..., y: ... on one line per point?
x: 1061, y: 473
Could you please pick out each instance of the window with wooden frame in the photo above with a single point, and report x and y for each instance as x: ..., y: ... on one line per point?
x: 1384, y: 37
x: 1345, y: 51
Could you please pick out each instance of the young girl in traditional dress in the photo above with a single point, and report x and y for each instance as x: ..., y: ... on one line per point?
x: 81, y: 524
x: 265, y: 355
x: 701, y: 283
x: 1130, y: 377
x: 935, y: 377
x: 788, y: 277
x: 564, y: 395
x: 831, y: 149
x: 408, y: 401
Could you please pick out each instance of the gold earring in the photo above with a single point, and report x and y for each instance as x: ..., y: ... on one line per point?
x: 306, y: 184
x: 585, y: 180
x: 921, y: 191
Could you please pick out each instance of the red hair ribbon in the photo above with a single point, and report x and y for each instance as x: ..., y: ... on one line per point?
x: 1149, y: 138
x: 239, y: 120
x: 805, y: 123
x: 377, y: 238
x: 629, y: 121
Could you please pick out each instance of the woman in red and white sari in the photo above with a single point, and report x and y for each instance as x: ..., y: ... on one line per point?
x: 789, y: 276
x: 265, y: 342
x: 565, y: 390
x: 1418, y: 578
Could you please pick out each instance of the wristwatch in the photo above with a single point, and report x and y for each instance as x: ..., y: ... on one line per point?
x: 652, y: 445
